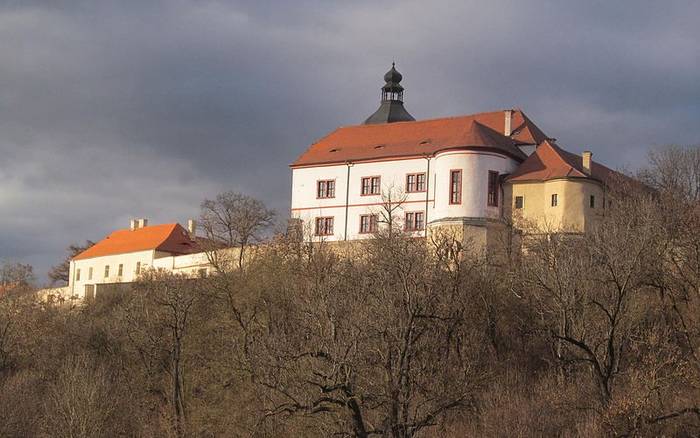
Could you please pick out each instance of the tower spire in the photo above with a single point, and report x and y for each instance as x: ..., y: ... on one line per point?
x: 391, y: 108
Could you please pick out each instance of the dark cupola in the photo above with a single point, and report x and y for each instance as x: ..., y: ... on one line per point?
x: 391, y: 108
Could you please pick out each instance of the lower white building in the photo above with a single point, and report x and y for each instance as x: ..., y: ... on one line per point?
x: 123, y: 255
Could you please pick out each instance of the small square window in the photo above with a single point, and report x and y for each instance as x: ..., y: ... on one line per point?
x: 370, y: 185
x: 414, y: 221
x: 519, y: 202
x: 325, y: 189
x: 415, y: 182
x: 324, y: 226
x: 554, y: 200
x: 368, y: 223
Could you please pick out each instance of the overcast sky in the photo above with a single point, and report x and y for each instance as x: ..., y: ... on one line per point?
x: 113, y: 110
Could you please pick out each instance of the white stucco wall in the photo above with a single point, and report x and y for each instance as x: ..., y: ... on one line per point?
x: 187, y: 264
x: 128, y: 260
x: 475, y: 166
x: 307, y: 207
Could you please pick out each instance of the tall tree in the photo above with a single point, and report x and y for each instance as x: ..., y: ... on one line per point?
x: 60, y: 273
x: 590, y: 289
x: 235, y: 219
x: 159, y: 318
x: 674, y: 171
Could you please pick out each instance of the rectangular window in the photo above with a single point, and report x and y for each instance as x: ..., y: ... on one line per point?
x: 554, y: 199
x: 493, y: 189
x: 138, y: 268
x: 368, y: 223
x: 324, y: 226
x: 455, y: 187
x: 325, y: 189
x: 120, y: 270
x: 77, y: 275
x: 106, y: 271
x: 519, y: 201
x: 415, y: 182
x: 90, y: 274
x: 371, y: 185
x: 414, y: 221
x: 592, y: 201
x: 202, y: 272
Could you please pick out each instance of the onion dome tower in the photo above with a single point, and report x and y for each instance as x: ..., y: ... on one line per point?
x: 391, y: 108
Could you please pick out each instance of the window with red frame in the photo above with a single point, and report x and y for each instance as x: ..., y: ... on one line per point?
x: 325, y: 188
x: 324, y: 226
x: 455, y: 187
x: 414, y: 221
x: 415, y: 182
x: 493, y: 189
x: 368, y: 223
x: 371, y: 185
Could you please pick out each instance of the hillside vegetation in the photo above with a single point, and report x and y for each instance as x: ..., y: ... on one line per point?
x: 544, y: 336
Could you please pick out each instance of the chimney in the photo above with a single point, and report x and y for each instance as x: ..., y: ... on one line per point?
x: 143, y: 223
x: 586, y: 161
x: 133, y: 224
x: 508, y: 130
x: 192, y: 227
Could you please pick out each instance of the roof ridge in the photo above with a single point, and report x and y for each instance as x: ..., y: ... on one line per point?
x: 462, y: 116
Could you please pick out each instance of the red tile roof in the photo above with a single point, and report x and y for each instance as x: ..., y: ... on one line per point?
x: 417, y: 138
x: 550, y: 161
x: 172, y: 238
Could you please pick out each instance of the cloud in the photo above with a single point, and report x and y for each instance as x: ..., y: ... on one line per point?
x: 144, y: 108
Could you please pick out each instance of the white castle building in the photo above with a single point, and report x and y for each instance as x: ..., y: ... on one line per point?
x: 450, y: 170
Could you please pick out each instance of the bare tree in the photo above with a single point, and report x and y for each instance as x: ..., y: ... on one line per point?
x: 393, y: 199
x: 60, y: 273
x: 15, y: 277
x: 235, y: 219
x: 589, y: 289
x: 159, y: 315
x: 675, y: 171
x: 79, y: 403
x: 380, y: 344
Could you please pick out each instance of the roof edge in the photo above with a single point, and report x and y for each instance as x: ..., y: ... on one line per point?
x: 409, y: 156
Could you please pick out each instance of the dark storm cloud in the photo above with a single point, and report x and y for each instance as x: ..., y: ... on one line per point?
x: 116, y: 109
